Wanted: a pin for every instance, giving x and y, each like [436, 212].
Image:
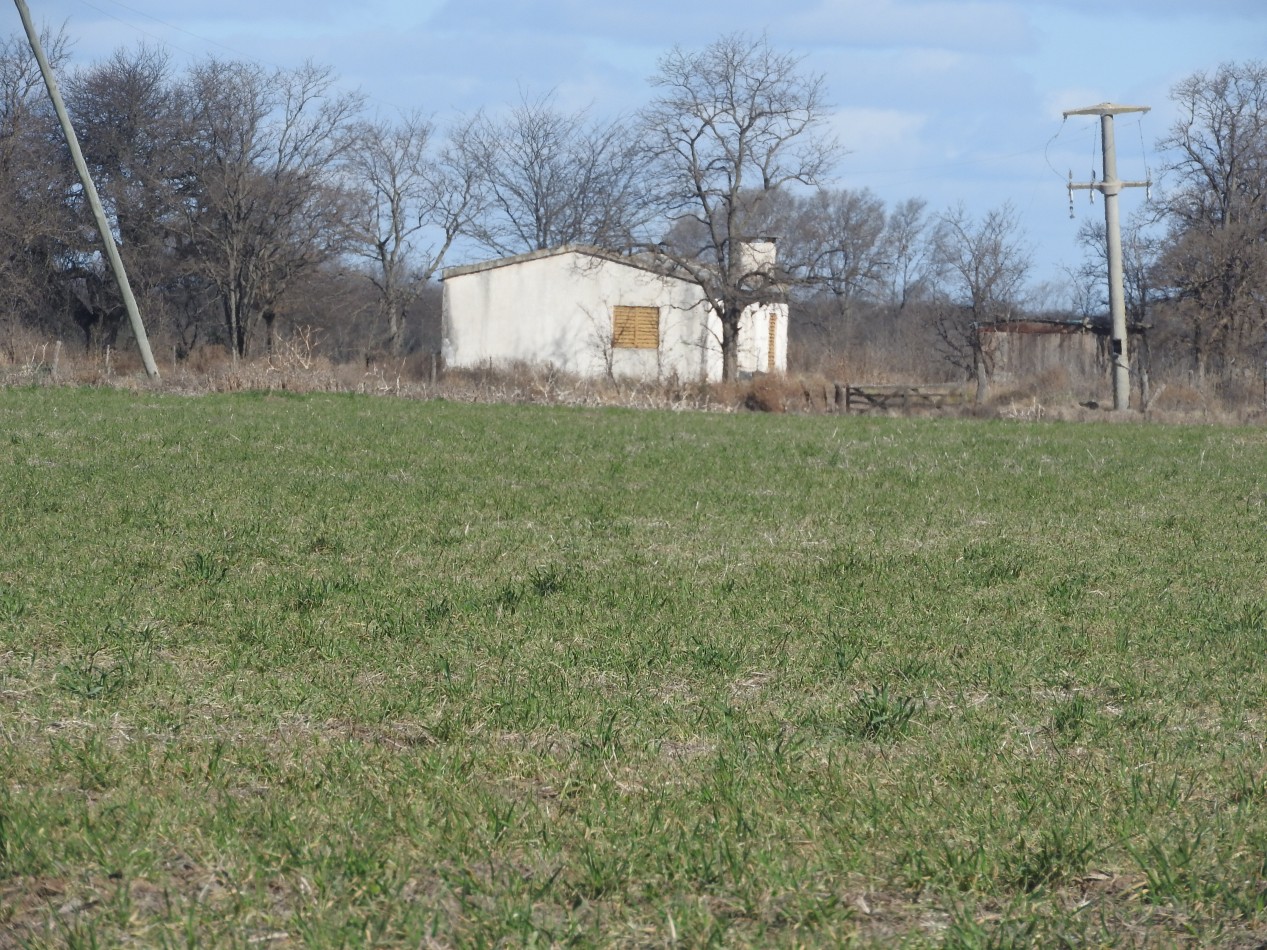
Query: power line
[164, 23]
[246, 57]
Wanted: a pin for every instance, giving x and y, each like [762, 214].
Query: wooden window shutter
[774, 339]
[636, 328]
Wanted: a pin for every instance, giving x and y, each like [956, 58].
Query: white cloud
[658, 23]
[975, 26]
[872, 136]
[1250, 9]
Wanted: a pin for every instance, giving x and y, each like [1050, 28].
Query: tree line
[248, 199]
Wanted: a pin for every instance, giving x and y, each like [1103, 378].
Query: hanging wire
[166, 41]
[1095, 137]
[171, 26]
[1047, 158]
[1148, 172]
[1050, 142]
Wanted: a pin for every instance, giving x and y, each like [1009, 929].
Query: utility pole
[90, 191]
[1109, 187]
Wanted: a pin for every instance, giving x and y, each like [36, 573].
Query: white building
[593, 312]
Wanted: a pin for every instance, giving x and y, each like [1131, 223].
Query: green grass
[333, 671]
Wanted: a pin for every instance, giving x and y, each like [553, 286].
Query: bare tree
[845, 256]
[405, 192]
[261, 196]
[36, 227]
[387, 165]
[1140, 250]
[1216, 254]
[909, 252]
[982, 267]
[556, 178]
[831, 251]
[735, 119]
[127, 112]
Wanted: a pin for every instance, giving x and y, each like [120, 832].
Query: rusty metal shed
[1020, 349]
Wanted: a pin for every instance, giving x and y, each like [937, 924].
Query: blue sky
[947, 100]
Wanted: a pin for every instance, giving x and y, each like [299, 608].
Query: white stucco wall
[754, 339]
[555, 307]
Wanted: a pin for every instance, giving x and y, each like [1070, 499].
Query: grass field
[343, 671]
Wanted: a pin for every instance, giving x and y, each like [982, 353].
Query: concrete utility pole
[1110, 187]
[90, 191]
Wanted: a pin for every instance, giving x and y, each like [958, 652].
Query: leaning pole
[90, 190]
[1110, 186]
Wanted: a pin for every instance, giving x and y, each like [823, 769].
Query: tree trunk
[730, 344]
[268, 316]
[233, 328]
[979, 370]
[1198, 356]
[1144, 359]
[395, 327]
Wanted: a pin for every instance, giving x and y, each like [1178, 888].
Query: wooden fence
[904, 397]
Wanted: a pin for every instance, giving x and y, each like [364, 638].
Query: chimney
[756, 254]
